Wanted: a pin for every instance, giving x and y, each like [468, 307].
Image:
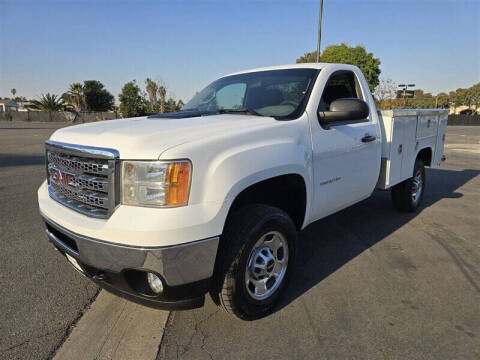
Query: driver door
[346, 166]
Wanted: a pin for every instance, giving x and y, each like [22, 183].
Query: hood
[147, 137]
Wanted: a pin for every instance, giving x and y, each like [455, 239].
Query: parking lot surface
[371, 283]
[40, 295]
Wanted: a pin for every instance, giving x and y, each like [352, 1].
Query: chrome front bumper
[185, 269]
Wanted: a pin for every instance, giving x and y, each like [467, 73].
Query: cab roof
[293, 66]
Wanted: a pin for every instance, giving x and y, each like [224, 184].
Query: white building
[8, 105]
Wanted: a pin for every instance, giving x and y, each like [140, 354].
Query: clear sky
[45, 45]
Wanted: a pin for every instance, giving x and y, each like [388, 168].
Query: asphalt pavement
[41, 296]
[371, 283]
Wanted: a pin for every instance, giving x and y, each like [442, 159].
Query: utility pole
[405, 93]
[320, 11]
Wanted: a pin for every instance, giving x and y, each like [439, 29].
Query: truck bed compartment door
[409, 152]
[394, 164]
[440, 141]
[398, 155]
[427, 126]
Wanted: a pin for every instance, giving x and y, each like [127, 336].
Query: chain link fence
[467, 120]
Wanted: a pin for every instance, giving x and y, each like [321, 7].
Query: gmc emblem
[62, 178]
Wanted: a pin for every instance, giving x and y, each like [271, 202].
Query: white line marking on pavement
[114, 328]
[464, 147]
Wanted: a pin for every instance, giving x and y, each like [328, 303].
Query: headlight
[156, 183]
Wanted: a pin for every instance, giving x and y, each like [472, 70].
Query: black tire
[403, 194]
[244, 229]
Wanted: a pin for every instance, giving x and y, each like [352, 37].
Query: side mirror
[346, 109]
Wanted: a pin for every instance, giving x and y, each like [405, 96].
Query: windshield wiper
[239, 111]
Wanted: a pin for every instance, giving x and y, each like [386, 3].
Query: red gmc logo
[62, 178]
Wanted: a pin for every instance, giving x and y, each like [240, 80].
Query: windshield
[282, 94]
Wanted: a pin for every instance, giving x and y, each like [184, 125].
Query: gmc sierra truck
[167, 208]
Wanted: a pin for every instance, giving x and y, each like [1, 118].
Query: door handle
[368, 138]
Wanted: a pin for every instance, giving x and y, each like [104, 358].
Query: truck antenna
[320, 11]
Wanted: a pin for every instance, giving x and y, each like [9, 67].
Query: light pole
[406, 93]
[320, 11]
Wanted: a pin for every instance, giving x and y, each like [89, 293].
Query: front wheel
[408, 195]
[256, 257]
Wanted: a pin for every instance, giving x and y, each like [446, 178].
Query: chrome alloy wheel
[417, 186]
[266, 265]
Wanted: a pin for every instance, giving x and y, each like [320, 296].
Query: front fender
[224, 166]
[240, 169]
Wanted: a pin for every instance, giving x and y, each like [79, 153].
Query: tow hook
[99, 277]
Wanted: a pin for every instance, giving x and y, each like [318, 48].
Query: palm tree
[151, 90]
[75, 96]
[49, 102]
[162, 94]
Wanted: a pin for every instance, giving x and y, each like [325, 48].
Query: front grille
[78, 165]
[95, 200]
[82, 178]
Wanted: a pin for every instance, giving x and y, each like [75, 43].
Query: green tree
[469, 97]
[97, 98]
[162, 95]
[452, 96]
[442, 100]
[131, 101]
[421, 100]
[157, 100]
[384, 91]
[461, 97]
[308, 57]
[475, 94]
[171, 105]
[48, 102]
[345, 54]
[151, 88]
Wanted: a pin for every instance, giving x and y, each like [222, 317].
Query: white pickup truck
[166, 208]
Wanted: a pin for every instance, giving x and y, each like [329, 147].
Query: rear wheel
[256, 258]
[408, 195]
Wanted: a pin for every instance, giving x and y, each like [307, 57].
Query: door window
[342, 84]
